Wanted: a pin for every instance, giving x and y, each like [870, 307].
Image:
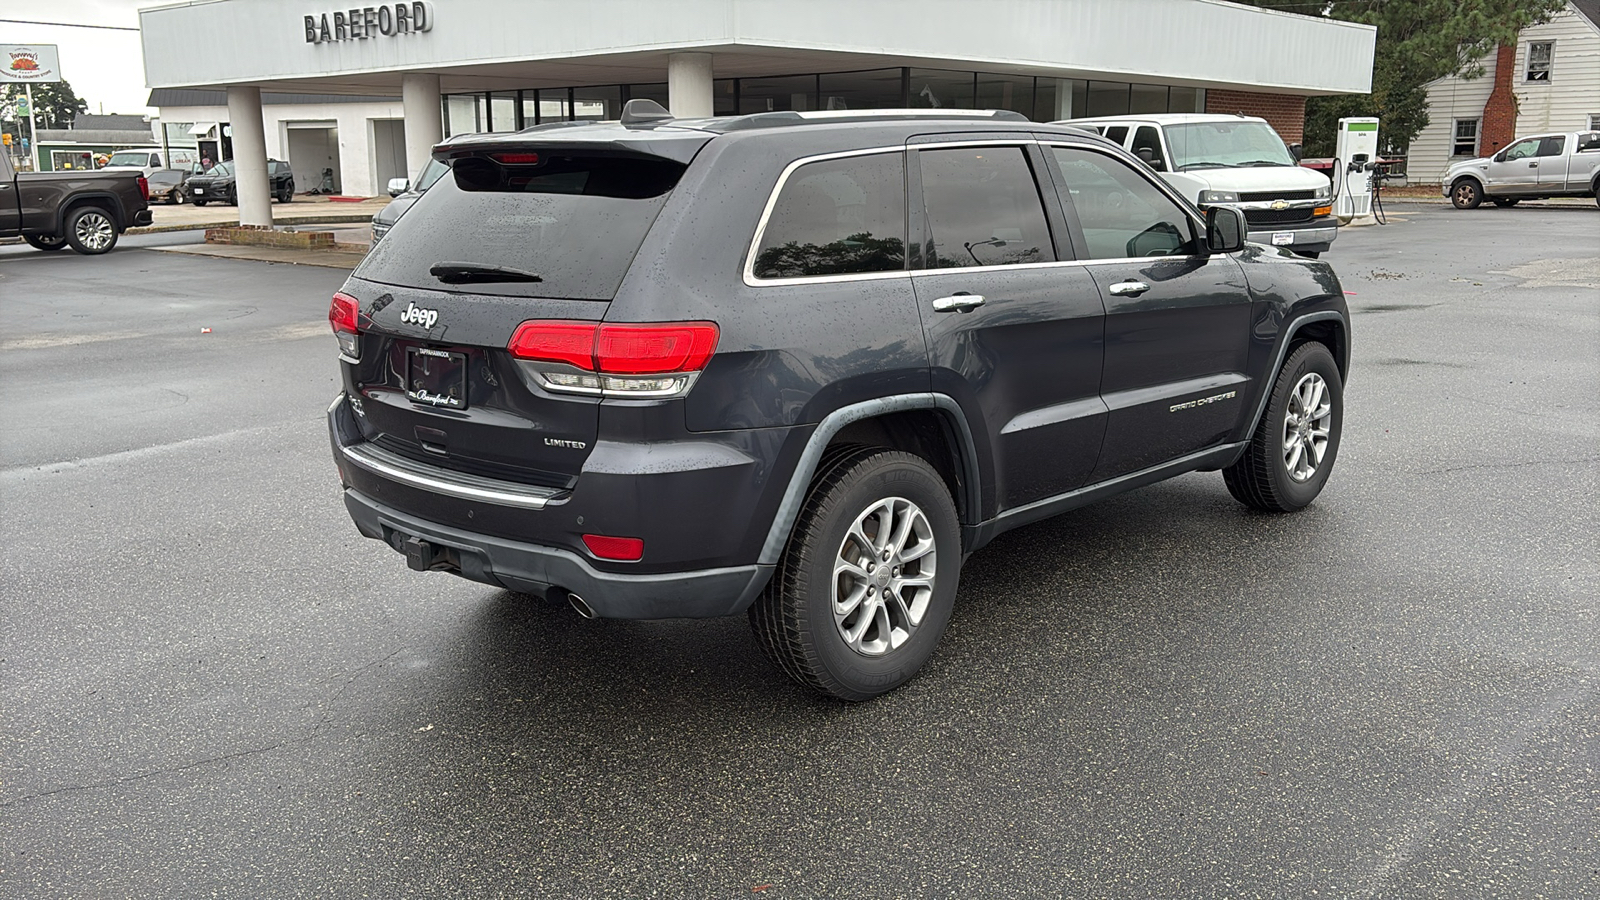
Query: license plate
[436, 377]
[1280, 238]
[199, 190]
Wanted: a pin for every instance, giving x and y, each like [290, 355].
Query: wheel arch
[1328, 327]
[111, 203]
[928, 425]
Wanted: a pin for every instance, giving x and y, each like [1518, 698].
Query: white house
[1549, 81]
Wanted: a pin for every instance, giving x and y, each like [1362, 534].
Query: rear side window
[573, 222]
[1122, 215]
[837, 217]
[982, 208]
[1552, 146]
[1118, 133]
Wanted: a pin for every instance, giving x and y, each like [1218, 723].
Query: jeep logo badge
[416, 315]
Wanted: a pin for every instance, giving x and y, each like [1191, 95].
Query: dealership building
[365, 92]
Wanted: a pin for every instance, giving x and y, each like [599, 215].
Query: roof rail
[782, 119]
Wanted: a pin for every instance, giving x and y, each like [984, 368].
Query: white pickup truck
[1533, 168]
[1237, 161]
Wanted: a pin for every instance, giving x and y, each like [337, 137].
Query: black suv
[220, 184]
[803, 364]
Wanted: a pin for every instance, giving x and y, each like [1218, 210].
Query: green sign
[1362, 126]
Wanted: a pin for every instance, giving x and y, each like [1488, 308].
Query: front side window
[982, 208]
[1466, 139]
[1522, 149]
[1122, 214]
[1540, 56]
[837, 217]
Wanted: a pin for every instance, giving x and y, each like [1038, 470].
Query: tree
[54, 103]
[1418, 41]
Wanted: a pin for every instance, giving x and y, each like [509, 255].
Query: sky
[106, 68]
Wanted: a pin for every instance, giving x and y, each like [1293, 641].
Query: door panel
[1552, 162]
[1177, 319]
[1023, 359]
[1518, 171]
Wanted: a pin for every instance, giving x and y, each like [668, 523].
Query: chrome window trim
[749, 272]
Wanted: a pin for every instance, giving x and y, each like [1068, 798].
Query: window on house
[1466, 142]
[1539, 56]
[1594, 121]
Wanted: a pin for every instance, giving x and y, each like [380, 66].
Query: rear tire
[1297, 440]
[200, 203]
[867, 583]
[287, 194]
[1505, 202]
[49, 243]
[1466, 194]
[91, 230]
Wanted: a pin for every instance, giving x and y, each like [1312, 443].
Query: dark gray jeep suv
[804, 364]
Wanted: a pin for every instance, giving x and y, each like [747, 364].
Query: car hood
[205, 180]
[1477, 162]
[1258, 178]
[396, 208]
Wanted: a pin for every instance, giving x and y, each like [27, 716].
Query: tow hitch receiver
[423, 556]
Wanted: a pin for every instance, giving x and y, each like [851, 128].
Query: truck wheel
[91, 230]
[1295, 443]
[868, 581]
[1504, 202]
[200, 203]
[46, 242]
[286, 194]
[1466, 194]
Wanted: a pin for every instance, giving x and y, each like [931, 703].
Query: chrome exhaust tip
[582, 607]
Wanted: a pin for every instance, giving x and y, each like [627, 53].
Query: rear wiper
[475, 273]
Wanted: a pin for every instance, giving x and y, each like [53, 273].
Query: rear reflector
[622, 549]
[658, 348]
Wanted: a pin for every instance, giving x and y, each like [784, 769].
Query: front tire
[867, 583]
[49, 243]
[200, 203]
[91, 230]
[1466, 194]
[1294, 446]
[1505, 202]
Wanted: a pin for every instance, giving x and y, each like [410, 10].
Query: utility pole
[33, 129]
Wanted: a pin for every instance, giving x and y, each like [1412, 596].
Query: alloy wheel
[95, 231]
[883, 576]
[1306, 425]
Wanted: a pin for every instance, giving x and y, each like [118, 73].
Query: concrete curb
[353, 218]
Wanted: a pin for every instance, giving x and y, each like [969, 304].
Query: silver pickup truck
[1533, 168]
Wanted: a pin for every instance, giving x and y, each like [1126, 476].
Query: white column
[424, 114]
[250, 155]
[689, 85]
[1064, 99]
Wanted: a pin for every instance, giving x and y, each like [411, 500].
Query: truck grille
[1278, 216]
[1257, 196]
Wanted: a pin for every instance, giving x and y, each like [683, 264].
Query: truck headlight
[1322, 193]
[1218, 197]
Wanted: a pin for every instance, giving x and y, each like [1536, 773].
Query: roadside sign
[29, 64]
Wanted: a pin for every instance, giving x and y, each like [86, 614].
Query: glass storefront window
[1106, 98]
[553, 105]
[1148, 98]
[1185, 99]
[724, 97]
[595, 104]
[941, 89]
[502, 112]
[759, 95]
[656, 92]
[461, 114]
[1013, 92]
[872, 89]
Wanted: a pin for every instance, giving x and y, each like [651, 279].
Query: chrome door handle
[1129, 288]
[1533, 165]
[958, 303]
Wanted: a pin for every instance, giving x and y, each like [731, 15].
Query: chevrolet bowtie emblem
[1280, 204]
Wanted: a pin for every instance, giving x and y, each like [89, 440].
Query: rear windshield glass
[571, 222]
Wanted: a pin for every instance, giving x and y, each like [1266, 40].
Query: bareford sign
[370, 22]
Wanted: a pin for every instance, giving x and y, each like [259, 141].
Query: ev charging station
[1357, 151]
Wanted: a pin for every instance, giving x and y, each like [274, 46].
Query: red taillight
[144, 188]
[663, 348]
[621, 549]
[556, 341]
[516, 159]
[343, 312]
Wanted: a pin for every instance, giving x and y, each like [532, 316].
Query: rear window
[573, 221]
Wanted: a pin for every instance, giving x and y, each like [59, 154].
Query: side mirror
[1225, 229]
[1501, 156]
[1298, 151]
[398, 186]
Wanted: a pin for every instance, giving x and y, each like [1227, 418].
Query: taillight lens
[144, 188]
[650, 359]
[344, 315]
[621, 549]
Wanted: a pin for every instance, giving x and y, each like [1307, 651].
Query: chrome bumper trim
[443, 481]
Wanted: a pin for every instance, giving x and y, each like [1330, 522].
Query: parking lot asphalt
[212, 686]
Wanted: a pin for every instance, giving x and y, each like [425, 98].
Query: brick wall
[1500, 113]
[1286, 113]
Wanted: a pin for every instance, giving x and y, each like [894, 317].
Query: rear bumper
[534, 569]
[142, 218]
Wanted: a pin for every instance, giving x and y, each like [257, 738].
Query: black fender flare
[76, 200]
[1270, 374]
